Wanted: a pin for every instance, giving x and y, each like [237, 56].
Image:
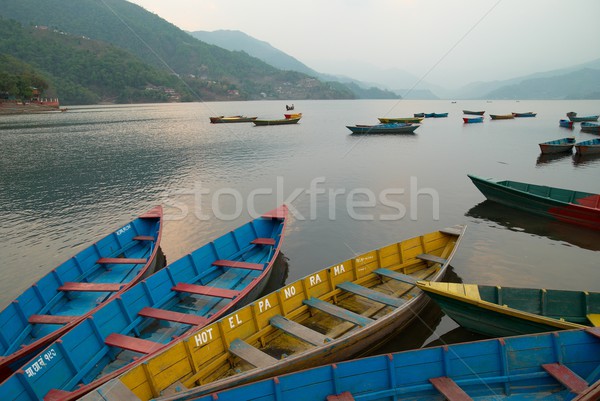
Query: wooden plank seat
[431, 258]
[299, 331]
[594, 319]
[371, 294]
[206, 290]
[405, 278]
[449, 389]
[171, 316]
[144, 238]
[132, 343]
[250, 354]
[51, 319]
[120, 261]
[263, 241]
[345, 396]
[566, 377]
[338, 312]
[238, 265]
[91, 287]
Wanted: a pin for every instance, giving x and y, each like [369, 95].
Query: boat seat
[345, 396]
[144, 238]
[594, 318]
[299, 331]
[238, 265]
[163, 314]
[51, 319]
[250, 354]
[205, 290]
[449, 389]
[132, 343]
[338, 312]
[432, 258]
[566, 377]
[405, 278]
[91, 287]
[121, 261]
[371, 294]
[263, 241]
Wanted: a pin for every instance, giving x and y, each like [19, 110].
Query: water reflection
[585, 160]
[545, 158]
[279, 274]
[517, 220]
[457, 335]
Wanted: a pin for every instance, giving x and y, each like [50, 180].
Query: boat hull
[232, 119]
[502, 116]
[557, 146]
[284, 121]
[389, 128]
[475, 113]
[387, 120]
[471, 120]
[565, 123]
[593, 128]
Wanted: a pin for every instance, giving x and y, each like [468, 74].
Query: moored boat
[440, 115]
[550, 366]
[421, 115]
[565, 123]
[591, 127]
[429, 115]
[294, 115]
[282, 121]
[588, 147]
[231, 119]
[558, 145]
[470, 120]
[502, 116]
[330, 315]
[497, 311]
[475, 113]
[189, 293]
[389, 128]
[526, 114]
[406, 120]
[573, 117]
[78, 287]
[574, 207]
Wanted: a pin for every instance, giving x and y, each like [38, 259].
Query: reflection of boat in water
[517, 220]
[457, 335]
[585, 160]
[545, 158]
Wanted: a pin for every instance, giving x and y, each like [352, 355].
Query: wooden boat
[231, 119]
[330, 315]
[505, 311]
[295, 115]
[558, 145]
[405, 120]
[573, 117]
[526, 114]
[475, 113]
[588, 147]
[429, 115]
[594, 128]
[565, 123]
[420, 115]
[574, 207]
[549, 366]
[77, 288]
[277, 122]
[389, 128]
[440, 115]
[192, 292]
[502, 116]
[470, 120]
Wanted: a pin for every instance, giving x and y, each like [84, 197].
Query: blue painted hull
[47, 309]
[389, 128]
[513, 368]
[191, 292]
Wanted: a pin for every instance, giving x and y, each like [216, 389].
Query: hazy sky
[449, 43]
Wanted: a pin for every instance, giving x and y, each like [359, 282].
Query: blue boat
[388, 128]
[588, 147]
[549, 366]
[591, 127]
[470, 120]
[439, 115]
[189, 293]
[429, 115]
[557, 145]
[76, 288]
[565, 123]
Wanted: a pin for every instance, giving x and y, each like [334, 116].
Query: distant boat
[502, 116]
[526, 114]
[475, 113]
[469, 120]
[419, 115]
[558, 145]
[389, 128]
[386, 120]
[231, 119]
[440, 115]
[594, 128]
[566, 123]
[573, 117]
[429, 115]
[277, 122]
[588, 147]
[295, 115]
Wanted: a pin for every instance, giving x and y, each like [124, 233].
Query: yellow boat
[342, 311]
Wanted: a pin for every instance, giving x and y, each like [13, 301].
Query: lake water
[68, 179]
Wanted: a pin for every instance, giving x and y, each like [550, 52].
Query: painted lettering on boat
[40, 363]
[314, 280]
[124, 229]
[289, 292]
[263, 306]
[339, 269]
[203, 337]
[235, 323]
[364, 259]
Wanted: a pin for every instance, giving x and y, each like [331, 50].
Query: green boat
[574, 207]
[504, 311]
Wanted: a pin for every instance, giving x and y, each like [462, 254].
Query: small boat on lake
[565, 123]
[573, 117]
[558, 145]
[421, 115]
[526, 114]
[574, 207]
[429, 115]
[546, 366]
[497, 311]
[189, 293]
[231, 119]
[406, 120]
[389, 128]
[470, 120]
[502, 116]
[440, 115]
[330, 315]
[282, 121]
[294, 115]
[475, 113]
[590, 127]
[78, 287]
[588, 147]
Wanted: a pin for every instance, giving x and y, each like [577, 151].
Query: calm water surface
[68, 179]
